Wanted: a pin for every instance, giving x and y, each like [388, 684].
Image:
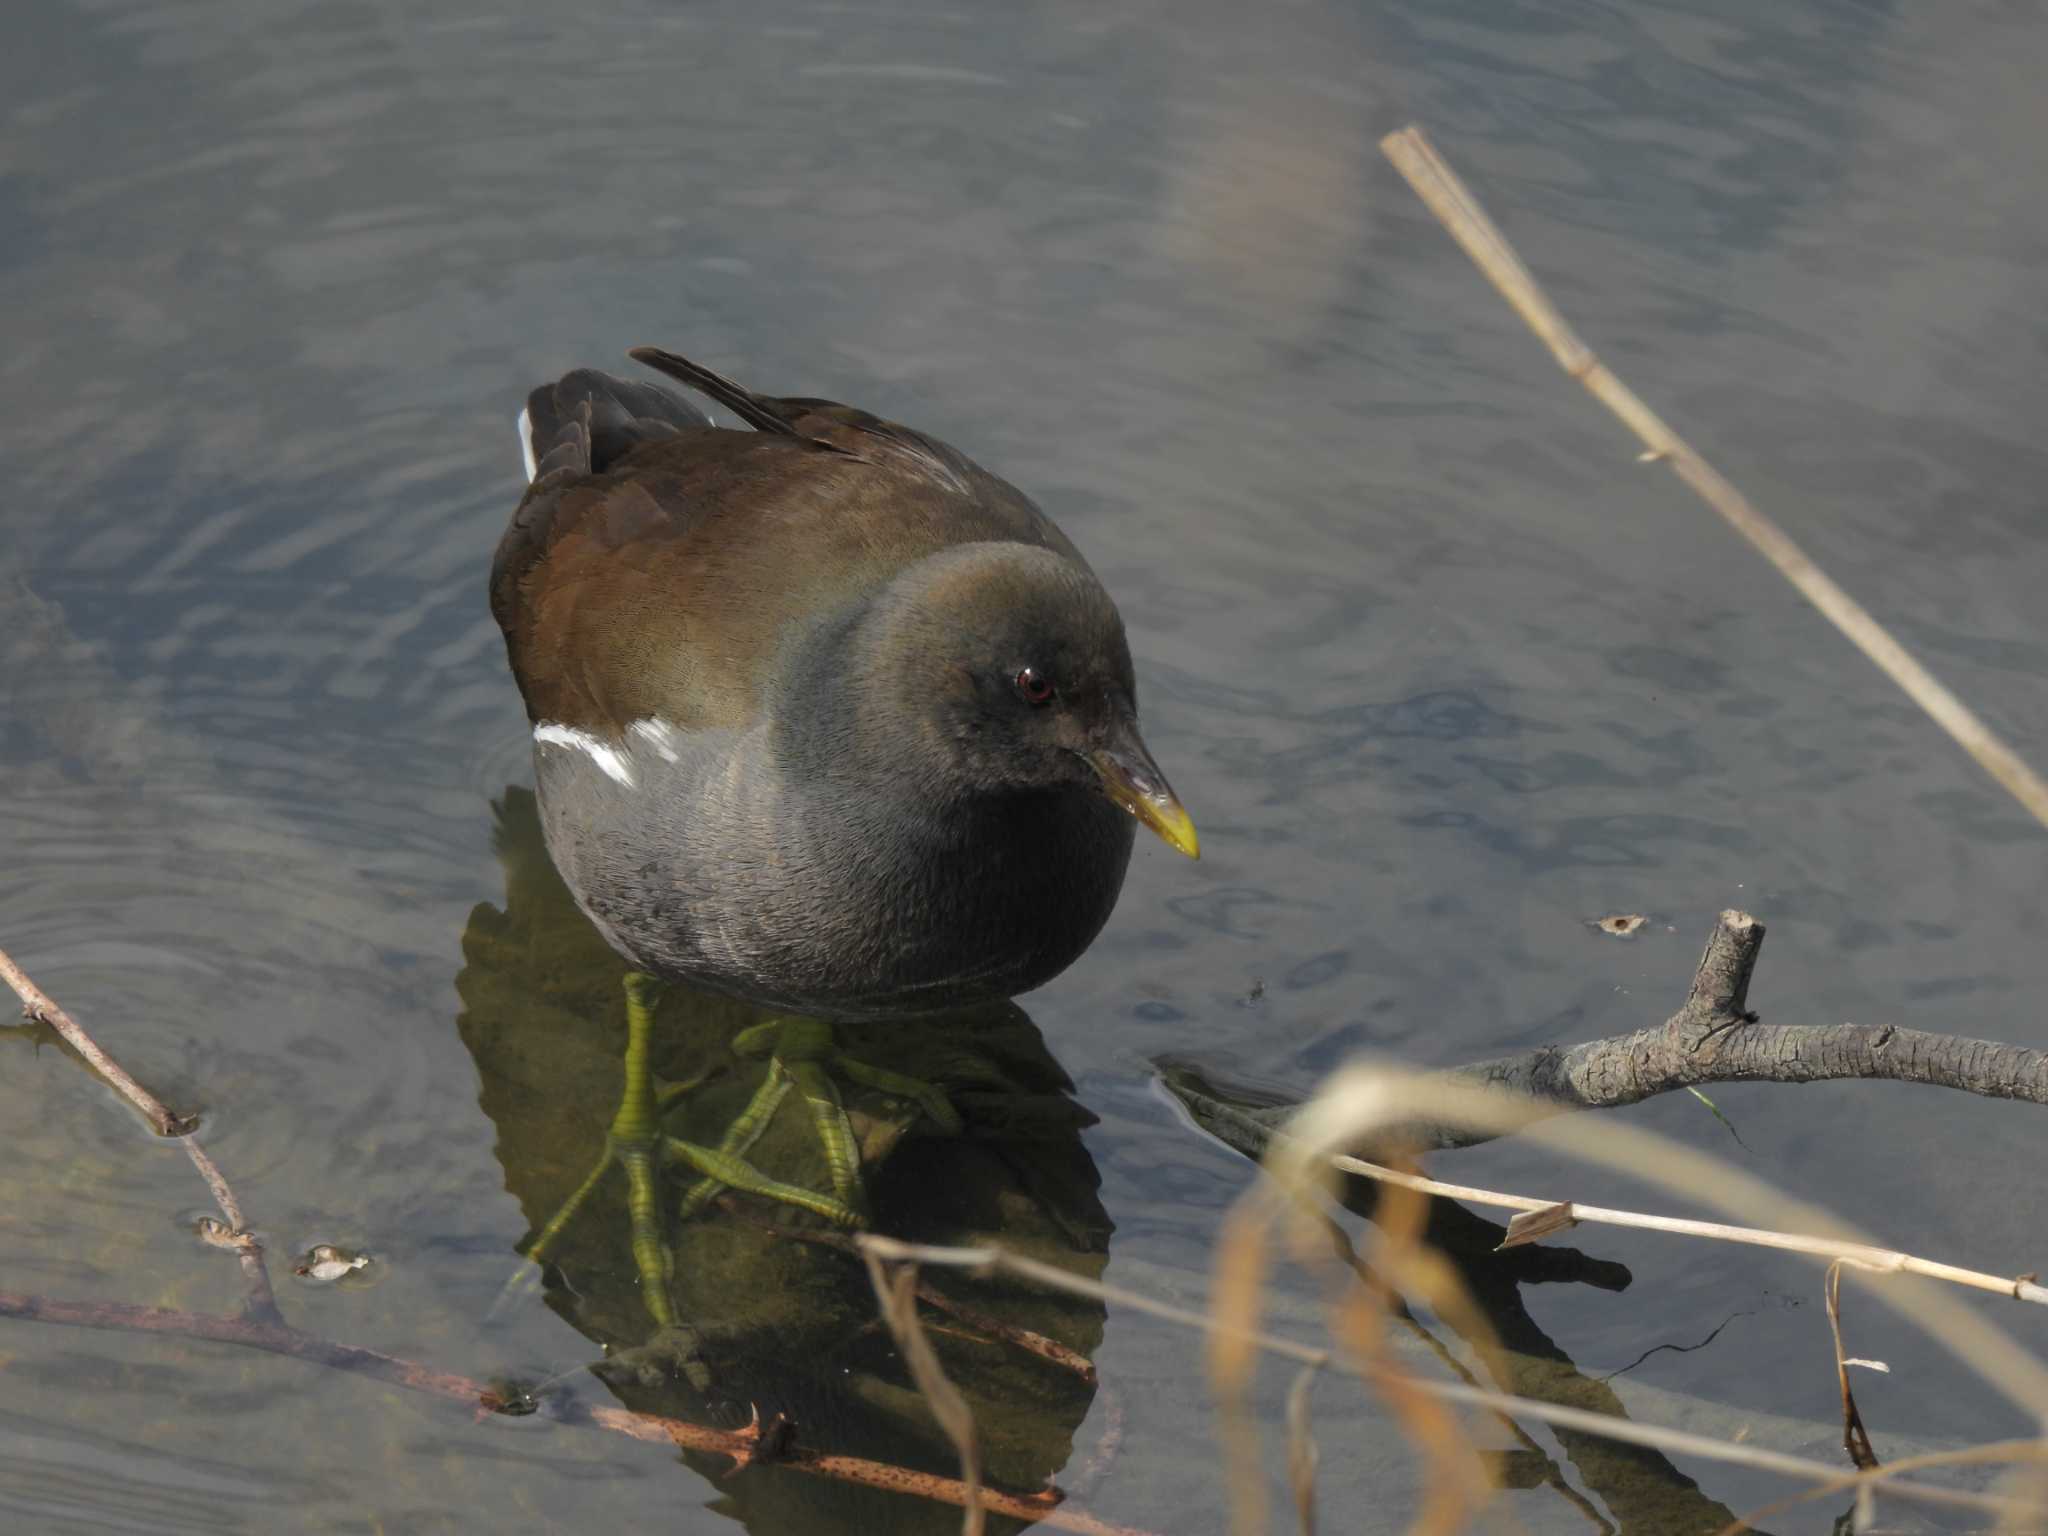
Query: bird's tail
[585, 421]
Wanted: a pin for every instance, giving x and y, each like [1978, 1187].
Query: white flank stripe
[658, 734]
[605, 755]
[526, 445]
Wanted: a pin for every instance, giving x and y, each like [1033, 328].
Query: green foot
[802, 1055]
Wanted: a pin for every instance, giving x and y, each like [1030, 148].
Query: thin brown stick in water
[896, 1294]
[259, 1301]
[1460, 212]
[39, 1005]
[741, 1445]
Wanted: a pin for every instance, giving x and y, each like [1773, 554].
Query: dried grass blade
[1302, 1454]
[1855, 1438]
[897, 1295]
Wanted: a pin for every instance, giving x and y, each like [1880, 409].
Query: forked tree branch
[1712, 1038]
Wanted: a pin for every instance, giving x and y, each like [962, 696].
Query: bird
[825, 717]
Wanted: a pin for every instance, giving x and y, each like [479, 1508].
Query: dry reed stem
[1302, 1454]
[896, 1294]
[259, 1300]
[2034, 1452]
[1460, 212]
[1243, 1244]
[1342, 1246]
[1363, 1101]
[1862, 1256]
[2028, 1484]
[1855, 1438]
[1676, 1442]
[1455, 1482]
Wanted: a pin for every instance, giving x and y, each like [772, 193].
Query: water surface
[1440, 671]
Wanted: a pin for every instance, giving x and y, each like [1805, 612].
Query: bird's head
[1010, 661]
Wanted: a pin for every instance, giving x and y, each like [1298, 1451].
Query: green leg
[835, 1132]
[632, 1143]
[801, 1048]
[733, 1147]
[721, 1170]
[634, 1137]
[726, 1166]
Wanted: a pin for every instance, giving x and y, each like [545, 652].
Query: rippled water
[1440, 671]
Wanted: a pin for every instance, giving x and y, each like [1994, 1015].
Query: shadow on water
[776, 1324]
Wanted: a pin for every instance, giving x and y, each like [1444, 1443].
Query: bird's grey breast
[702, 858]
[641, 827]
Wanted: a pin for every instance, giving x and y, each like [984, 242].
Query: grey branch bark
[1712, 1038]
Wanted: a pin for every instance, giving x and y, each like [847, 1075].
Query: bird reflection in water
[773, 1313]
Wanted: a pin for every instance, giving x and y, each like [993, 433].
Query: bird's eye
[1035, 686]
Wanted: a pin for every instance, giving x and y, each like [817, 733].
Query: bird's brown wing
[670, 584]
[861, 435]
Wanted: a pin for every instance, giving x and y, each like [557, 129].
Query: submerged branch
[259, 1301]
[744, 1446]
[38, 1005]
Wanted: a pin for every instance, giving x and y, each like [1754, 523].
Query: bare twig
[1712, 1038]
[1453, 203]
[259, 1301]
[741, 1445]
[896, 1294]
[38, 1005]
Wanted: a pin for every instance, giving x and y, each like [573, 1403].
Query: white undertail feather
[526, 445]
[607, 757]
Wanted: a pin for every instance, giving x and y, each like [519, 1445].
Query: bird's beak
[1131, 779]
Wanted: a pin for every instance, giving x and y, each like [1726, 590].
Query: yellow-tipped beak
[1132, 780]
